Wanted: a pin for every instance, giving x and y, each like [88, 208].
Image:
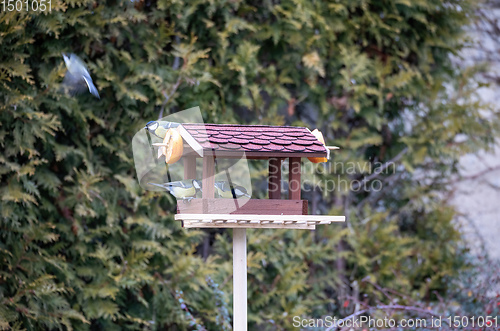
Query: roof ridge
[252, 125]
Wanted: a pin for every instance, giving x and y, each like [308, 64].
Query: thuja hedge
[83, 246]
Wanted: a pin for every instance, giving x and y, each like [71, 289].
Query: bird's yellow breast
[161, 131]
[181, 192]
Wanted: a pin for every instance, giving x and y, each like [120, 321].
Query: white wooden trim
[190, 141]
[305, 222]
[250, 217]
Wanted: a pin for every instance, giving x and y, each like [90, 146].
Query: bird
[224, 190]
[160, 128]
[77, 77]
[183, 189]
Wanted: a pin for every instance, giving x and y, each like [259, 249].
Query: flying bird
[77, 77]
[224, 190]
[160, 128]
[183, 189]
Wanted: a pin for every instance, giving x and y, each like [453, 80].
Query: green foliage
[83, 246]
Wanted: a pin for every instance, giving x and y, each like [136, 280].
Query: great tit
[183, 189]
[77, 77]
[160, 128]
[224, 190]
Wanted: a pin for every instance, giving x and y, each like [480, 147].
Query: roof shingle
[256, 139]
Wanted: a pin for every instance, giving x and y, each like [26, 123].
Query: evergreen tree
[83, 246]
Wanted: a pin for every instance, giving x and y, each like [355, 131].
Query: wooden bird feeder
[272, 143]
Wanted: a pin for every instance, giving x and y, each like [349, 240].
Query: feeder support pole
[239, 280]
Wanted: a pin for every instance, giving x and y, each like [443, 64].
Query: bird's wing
[198, 183]
[180, 183]
[70, 79]
[73, 84]
[77, 64]
[165, 124]
[218, 186]
[227, 187]
[240, 190]
[90, 84]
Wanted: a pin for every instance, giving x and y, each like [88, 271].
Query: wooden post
[294, 184]
[208, 179]
[239, 280]
[274, 180]
[189, 167]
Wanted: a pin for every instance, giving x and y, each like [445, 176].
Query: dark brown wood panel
[251, 207]
[274, 179]
[294, 184]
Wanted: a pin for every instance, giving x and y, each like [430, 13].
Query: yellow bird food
[318, 135]
[172, 147]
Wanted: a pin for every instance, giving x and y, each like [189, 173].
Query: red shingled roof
[256, 140]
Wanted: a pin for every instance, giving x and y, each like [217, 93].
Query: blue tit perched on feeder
[224, 190]
[77, 77]
[183, 189]
[160, 128]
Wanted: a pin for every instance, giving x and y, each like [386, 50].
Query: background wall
[476, 192]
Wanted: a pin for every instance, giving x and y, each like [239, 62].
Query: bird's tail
[160, 185]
